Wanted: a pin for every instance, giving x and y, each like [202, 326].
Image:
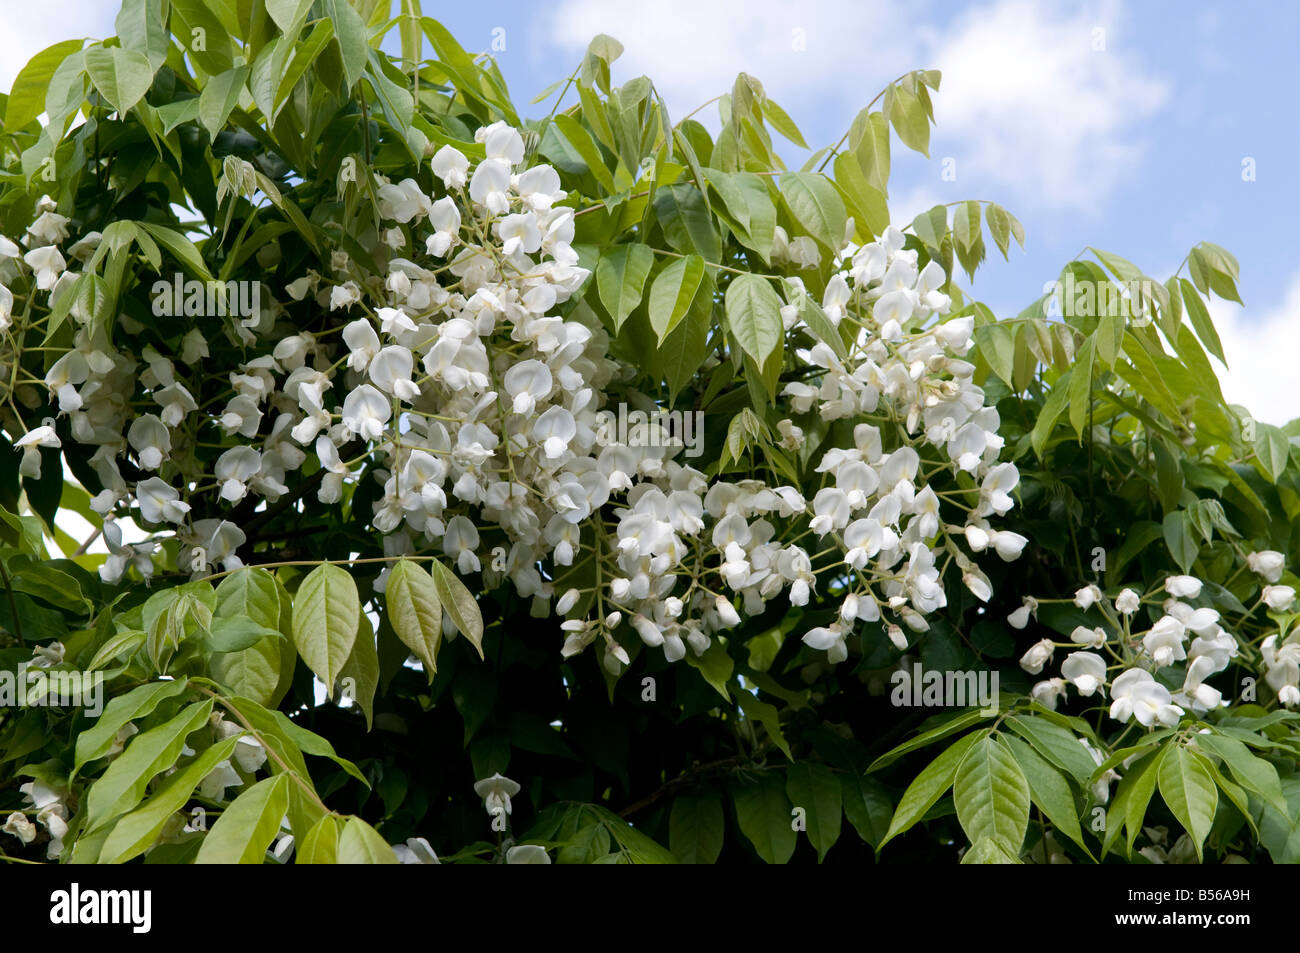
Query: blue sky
[1123, 125]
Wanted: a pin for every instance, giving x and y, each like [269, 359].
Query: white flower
[519, 233]
[48, 265]
[1164, 642]
[366, 411]
[403, 201]
[1267, 563]
[496, 793]
[1137, 695]
[501, 141]
[459, 542]
[829, 639]
[391, 370]
[527, 382]
[1183, 587]
[213, 787]
[1127, 602]
[1020, 618]
[344, 295]
[1048, 692]
[1279, 598]
[151, 440]
[30, 444]
[1086, 671]
[18, 825]
[489, 184]
[527, 854]
[1087, 596]
[445, 219]
[234, 469]
[416, 850]
[1039, 654]
[450, 165]
[160, 502]
[1092, 638]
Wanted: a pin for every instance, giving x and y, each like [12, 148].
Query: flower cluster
[460, 380]
[1120, 659]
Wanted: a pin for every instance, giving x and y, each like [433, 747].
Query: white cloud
[1263, 352]
[1030, 110]
[693, 49]
[31, 27]
[1029, 103]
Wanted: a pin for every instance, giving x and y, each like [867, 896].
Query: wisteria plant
[591, 488]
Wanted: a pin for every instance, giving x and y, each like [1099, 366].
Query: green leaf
[1188, 788]
[1049, 789]
[865, 201]
[867, 807]
[135, 832]
[1253, 772]
[716, 665]
[997, 345]
[1273, 450]
[696, 827]
[932, 226]
[415, 612]
[321, 845]
[620, 279]
[360, 675]
[123, 782]
[1056, 743]
[325, 611]
[219, 97]
[1052, 407]
[991, 794]
[1202, 323]
[1081, 385]
[141, 25]
[1129, 806]
[762, 213]
[754, 316]
[121, 76]
[684, 348]
[248, 824]
[672, 293]
[236, 633]
[586, 147]
[1181, 539]
[769, 716]
[764, 816]
[182, 249]
[816, 206]
[779, 120]
[870, 140]
[909, 119]
[27, 96]
[288, 14]
[361, 844]
[350, 31]
[138, 703]
[460, 604]
[304, 55]
[684, 216]
[948, 725]
[815, 788]
[930, 785]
